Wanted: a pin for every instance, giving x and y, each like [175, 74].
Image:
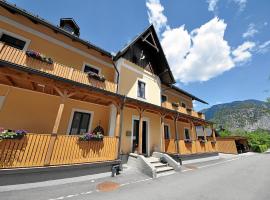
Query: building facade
[54, 82]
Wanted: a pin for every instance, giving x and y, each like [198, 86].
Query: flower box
[176, 105]
[12, 134]
[96, 76]
[39, 56]
[203, 141]
[187, 140]
[91, 137]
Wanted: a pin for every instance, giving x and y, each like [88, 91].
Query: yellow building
[54, 83]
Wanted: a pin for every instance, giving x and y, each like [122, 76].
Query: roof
[151, 29]
[188, 94]
[36, 19]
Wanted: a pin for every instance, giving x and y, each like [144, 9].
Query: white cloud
[155, 14]
[241, 4]
[199, 55]
[264, 47]
[251, 31]
[212, 5]
[242, 52]
[202, 53]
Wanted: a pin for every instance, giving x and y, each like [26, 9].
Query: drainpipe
[117, 80]
[121, 126]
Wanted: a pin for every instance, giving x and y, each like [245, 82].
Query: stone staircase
[162, 169]
[153, 166]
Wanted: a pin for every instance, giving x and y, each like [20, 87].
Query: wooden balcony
[18, 57]
[180, 109]
[31, 151]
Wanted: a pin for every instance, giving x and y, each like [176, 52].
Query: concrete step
[153, 160]
[159, 164]
[164, 169]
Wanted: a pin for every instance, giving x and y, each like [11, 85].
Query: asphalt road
[246, 178]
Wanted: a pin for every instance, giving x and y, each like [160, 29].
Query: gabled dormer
[146, 51]
[69, 25]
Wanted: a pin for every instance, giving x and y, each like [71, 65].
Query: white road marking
[209, 165]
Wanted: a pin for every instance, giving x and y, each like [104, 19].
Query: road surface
[246, 178]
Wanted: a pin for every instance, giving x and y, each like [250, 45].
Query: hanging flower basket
[39, 56]
[96, 76]
[12, 134]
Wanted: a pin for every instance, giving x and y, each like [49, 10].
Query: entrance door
[135, 139]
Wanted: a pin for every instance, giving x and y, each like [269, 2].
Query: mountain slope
[246, 115]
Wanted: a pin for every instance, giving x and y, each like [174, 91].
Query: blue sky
[218, 50]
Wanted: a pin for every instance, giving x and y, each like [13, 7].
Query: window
[166, 132]
[186, 132]
[163, 98]
[88, 68]
[200, 132]
[12, 41]
[2, 99]
[68, 28]
[141, 89]
[183, 105]
[80, 123]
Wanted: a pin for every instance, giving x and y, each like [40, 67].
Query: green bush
[259, 148]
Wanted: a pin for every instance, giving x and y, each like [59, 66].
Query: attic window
[141, 89]
[68, 28]
[149, 39]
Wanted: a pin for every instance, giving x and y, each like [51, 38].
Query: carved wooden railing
[16, 56]
[31, 151]
[180, 109]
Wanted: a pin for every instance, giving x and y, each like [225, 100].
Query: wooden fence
[226, 145]
[31, 151]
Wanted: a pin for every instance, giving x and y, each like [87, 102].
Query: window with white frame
[13, 41]
[2, 99]
[141, 89]
[183, 105]
[163, 98]
[186, 134]
[80, 123]
[166, 132]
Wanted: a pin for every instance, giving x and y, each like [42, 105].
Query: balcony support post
[162, 132]
[176, 133]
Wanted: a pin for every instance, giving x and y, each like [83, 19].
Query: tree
[268, 100]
